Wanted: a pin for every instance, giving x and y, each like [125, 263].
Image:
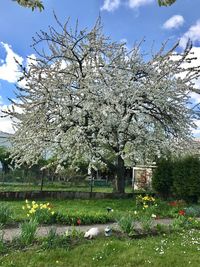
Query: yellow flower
[33, 202]
[146, 206]
[52, 212]
[32, 211]
[35, 206]
[26, 201]
[28, 215]
[23, 207]
[28, 206]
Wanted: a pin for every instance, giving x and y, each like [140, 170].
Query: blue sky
[130, 20]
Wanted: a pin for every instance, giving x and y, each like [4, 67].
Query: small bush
[28, 232]
[53, 240]
[146, 223]
[127, 224]
[5, 214]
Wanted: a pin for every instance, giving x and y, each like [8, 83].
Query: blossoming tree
[86, 95]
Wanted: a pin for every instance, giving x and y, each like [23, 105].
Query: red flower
[181, 212]
[78, 221]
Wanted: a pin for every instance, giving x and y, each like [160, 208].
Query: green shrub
[5, 214]
[162, 179]
[179, 177]
[186, 178]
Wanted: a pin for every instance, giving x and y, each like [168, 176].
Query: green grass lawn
[16, 187]
[174, 250]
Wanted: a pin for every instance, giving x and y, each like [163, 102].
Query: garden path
[10, 233]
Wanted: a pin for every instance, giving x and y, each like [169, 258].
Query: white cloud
[193, 34]
[138, 3]
[9, 69]
[174, 22]
[110, 5]
[196, 132]
[5, 122]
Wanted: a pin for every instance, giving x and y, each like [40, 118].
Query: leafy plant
[42, 212]
[146, 223]
[74, 233]
[2, 243]
[145, 201]
[5, 214]
[127, 224]
[179, 223]
[28, 232]
[53, 240]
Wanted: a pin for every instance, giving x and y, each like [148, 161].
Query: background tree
[5, 159]
[33, 4]
[166, 2]
[86, 95]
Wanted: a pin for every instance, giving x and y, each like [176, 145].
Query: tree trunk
[120, 176]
